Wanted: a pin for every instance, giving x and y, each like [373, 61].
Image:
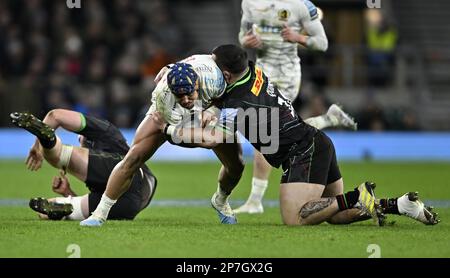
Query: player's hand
[251, 40]
[290, 35]
[160, 74]
[61, 184]
[159, 121]
[35, 157]
[208, 118]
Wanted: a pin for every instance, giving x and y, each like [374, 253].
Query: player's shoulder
[161, 91]
[201, 59]
[308, 9]
[205, 66]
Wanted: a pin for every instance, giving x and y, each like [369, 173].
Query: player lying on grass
[311, 189]
[102, 147]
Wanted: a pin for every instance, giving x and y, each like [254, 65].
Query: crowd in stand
[102, 60]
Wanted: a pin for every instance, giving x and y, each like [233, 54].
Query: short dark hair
[231, 58]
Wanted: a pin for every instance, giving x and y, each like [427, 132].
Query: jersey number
[287, 103]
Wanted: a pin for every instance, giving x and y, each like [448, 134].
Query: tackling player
[311, 189]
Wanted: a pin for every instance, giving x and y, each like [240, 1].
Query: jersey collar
[242, 80]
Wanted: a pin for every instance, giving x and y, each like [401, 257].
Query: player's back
[212, 84]
[274, 115]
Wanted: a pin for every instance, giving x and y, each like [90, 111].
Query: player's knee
[52, 114]
[291, 221]
[289, 217]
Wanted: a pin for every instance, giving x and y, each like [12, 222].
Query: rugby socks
[389, 205]
[347, 200]
[222, 196]
[259, 187]
[103, 208]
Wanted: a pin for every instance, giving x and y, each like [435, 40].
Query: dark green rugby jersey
[255, 108]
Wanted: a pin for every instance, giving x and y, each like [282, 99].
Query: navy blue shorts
[318, 164]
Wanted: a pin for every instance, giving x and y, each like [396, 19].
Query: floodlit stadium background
[388, 67]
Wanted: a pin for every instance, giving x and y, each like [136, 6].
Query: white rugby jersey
[266, 19]
[211, 85]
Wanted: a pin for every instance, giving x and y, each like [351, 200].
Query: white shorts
[286, 78]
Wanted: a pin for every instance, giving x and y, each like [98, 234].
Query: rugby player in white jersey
[276, 29]
[197, 81]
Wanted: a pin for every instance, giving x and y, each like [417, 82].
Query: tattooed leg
[345, 216]
[318, 211]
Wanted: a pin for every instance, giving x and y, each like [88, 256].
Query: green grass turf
[195, 231]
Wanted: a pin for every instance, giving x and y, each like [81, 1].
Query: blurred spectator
[371, 117]
[409, 121]
[100, 59]
[404, 119]
[381, 41]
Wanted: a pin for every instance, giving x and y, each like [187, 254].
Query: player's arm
[246, 36]
[61, 185]
[314, 37]
[208, 137]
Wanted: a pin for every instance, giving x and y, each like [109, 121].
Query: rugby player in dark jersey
[102, 147]
[311, 189]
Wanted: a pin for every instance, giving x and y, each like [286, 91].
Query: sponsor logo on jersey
[259, 81]
[312, 9]
[204, 68]
[268, 29]
[283, 15]
[271, 89]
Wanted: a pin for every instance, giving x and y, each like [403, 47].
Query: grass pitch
[194, 231]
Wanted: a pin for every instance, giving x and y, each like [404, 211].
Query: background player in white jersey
[276, 29]
[197, 78]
